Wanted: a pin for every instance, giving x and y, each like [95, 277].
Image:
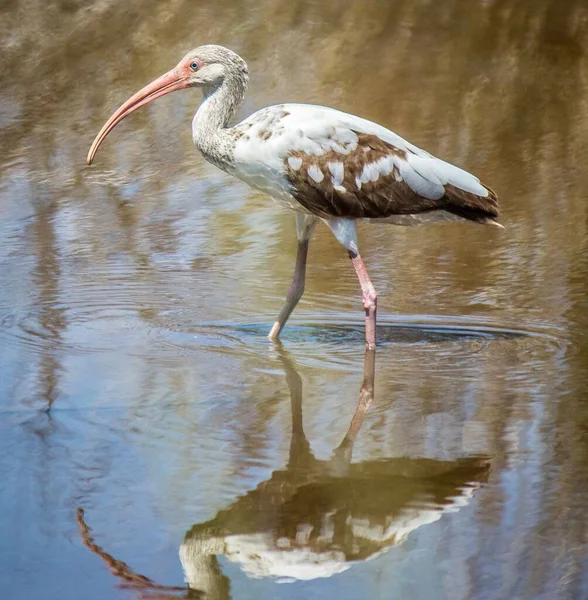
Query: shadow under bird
[324, 164]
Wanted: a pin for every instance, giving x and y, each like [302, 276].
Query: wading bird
[322, 163]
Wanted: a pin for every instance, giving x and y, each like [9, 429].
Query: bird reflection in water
[314, 518]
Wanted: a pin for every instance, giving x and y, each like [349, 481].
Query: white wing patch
[369, 173]
[441, 173]
[295, 162]
[315, 173]
[337, 171]
[423, 186]
[385, 165]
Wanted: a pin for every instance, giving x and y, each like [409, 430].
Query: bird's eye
[195, 65]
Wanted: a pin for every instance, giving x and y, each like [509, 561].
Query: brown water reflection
[136, 294]
[314, 518]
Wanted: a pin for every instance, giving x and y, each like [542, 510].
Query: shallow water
[154, 444]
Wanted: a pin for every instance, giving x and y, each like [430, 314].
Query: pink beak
[176, 79]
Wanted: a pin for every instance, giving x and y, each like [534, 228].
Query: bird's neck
[209, 127]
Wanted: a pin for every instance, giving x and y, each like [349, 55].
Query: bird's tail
[470, 206]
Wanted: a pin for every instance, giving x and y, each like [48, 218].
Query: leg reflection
[301, 455]
[366, 397]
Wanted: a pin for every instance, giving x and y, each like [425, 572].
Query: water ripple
[334, 342]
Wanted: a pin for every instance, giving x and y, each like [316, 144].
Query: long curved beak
[170, 82]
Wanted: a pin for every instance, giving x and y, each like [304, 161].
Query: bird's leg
[370, 299]
[342, 453]
[295, 290]
[300, 456]
[304, 227]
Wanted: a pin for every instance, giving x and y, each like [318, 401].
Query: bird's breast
[266, 180]
[258, 163]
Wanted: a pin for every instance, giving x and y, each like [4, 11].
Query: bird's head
[206, 67]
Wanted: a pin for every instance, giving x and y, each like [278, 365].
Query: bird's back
[333, 164]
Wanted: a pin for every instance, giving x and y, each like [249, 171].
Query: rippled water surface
[153, 444]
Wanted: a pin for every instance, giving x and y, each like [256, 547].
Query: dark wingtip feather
[480, 209]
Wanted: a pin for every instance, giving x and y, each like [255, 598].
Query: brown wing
[377, 180]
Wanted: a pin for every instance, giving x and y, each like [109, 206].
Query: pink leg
[366, 397]
[295, 290]
[370, 299]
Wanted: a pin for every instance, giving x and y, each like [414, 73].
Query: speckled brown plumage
[387, 196]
